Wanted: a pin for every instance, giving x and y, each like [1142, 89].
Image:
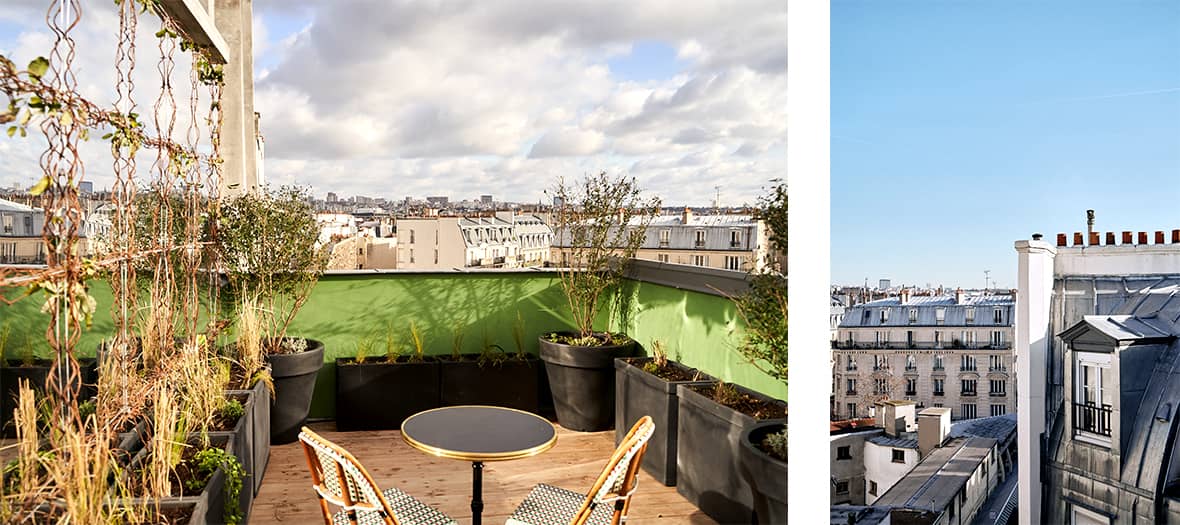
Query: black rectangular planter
[258, 414]
[512, 383]
[379, 395]
[11, 372]
[638, 394]
[708, 470]
[211, 503]
[242, 436]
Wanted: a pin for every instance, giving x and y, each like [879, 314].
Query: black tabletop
[479, 433]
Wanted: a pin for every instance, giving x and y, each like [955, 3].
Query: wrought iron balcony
[1088, 417]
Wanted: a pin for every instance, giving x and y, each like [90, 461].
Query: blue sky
[462, 99]
[961, 127]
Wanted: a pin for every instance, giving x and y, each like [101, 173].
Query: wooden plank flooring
[573, 463]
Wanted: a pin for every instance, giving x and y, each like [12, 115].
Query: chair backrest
[338, 478]
[618, 480]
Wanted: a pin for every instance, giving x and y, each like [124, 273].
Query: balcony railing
[699, 244]
[968, 393]
[1091, 418]
[918, 345]
[735, 244]
[939, 393]
[997, 394]
[22, 259]
[911, 392]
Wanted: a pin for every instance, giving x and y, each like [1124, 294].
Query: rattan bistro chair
[549, 505]
[339, 479]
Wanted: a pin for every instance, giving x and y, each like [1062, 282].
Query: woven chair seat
[407, 509]
[549, 505]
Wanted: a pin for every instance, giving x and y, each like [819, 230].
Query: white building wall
[879, 467]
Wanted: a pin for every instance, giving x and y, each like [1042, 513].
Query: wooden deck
[573, 463]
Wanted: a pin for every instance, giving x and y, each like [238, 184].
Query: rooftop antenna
[717, 200]
[986, 278]
[1089, 224]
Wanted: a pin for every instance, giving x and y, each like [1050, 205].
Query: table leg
[477, 492]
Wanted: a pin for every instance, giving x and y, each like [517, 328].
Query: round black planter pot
[582, 380]
[767, 476]
[294, 377]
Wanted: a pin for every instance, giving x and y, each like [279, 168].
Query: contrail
[1121, 95]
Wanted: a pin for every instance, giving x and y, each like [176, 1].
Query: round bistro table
[478, 434]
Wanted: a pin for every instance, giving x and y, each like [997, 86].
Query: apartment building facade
[725, 242]
[952, 351]
[20, 234]
[503, 241]
[1100, 373]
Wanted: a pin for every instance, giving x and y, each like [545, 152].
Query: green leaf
[40, 187]
[161, 33]
[38, 67]
[11, 131]
[66, 119]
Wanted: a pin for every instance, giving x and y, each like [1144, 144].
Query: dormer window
[970, 310]
[884, 315]
[1093, 399]
[939, 315]
[913, 315]
[998, 315]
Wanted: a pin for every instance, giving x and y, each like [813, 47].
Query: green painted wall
[700, 330]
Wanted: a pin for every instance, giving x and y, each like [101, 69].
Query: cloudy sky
[459, 98]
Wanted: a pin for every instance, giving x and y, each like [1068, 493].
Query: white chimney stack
[905, 296]
[958, 296]
[934, 424]
[686, 216]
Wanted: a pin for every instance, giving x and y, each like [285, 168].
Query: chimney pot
[1110, 238]
[1077, 238]
[1061, 239]
[1142, 238]
[933, 426]
[1037, 236]
[1093, 238]
[1159, 237]
[1127, 236]
[958, 295]
[1175, 236]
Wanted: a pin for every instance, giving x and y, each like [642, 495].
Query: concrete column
[1034, 294]
[238, 143]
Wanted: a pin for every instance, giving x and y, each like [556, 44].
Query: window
[909, 338]
[970, 312]
[1092, 400]
[938, 386]
[913, 315]
[844, 452]
[851, 408]
[411, 236]
[998, 315]
[733, 262]
[881, 386]
[937, 405]
[999, 387]
[969, 338]
[995, 363]
[967, 363]
[997, 338]
[898, 455]
[851, 384]
[1083, 516]
[967, 411]
[841, 487]
[700, 239]
[911, 387]
[851, 361]
[938, 362]
[665, 235]
[884, 315]
[735, 238]
[882, 338]
[663, 257]
[436, 256]
[880, 362]
[872, 488]
[999, 410]
[28, 225]
[698, 260]
[939, 315]
[411, 255]
[910, 362]
[968, 387]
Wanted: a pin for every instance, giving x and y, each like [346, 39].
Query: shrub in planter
[268, 243]
[647, 387]
[709, 430]
[763, 460]
[601, 223]
[36, 373]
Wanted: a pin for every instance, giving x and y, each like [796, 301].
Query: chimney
[896, 416]
[905, 296]
[934, 424]
[686, 216]
[958, 296]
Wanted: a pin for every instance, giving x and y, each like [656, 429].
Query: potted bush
[269, 247]
[734, 486]
[491, 377]
[601, 223]
[403, 383]
[646, 386]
